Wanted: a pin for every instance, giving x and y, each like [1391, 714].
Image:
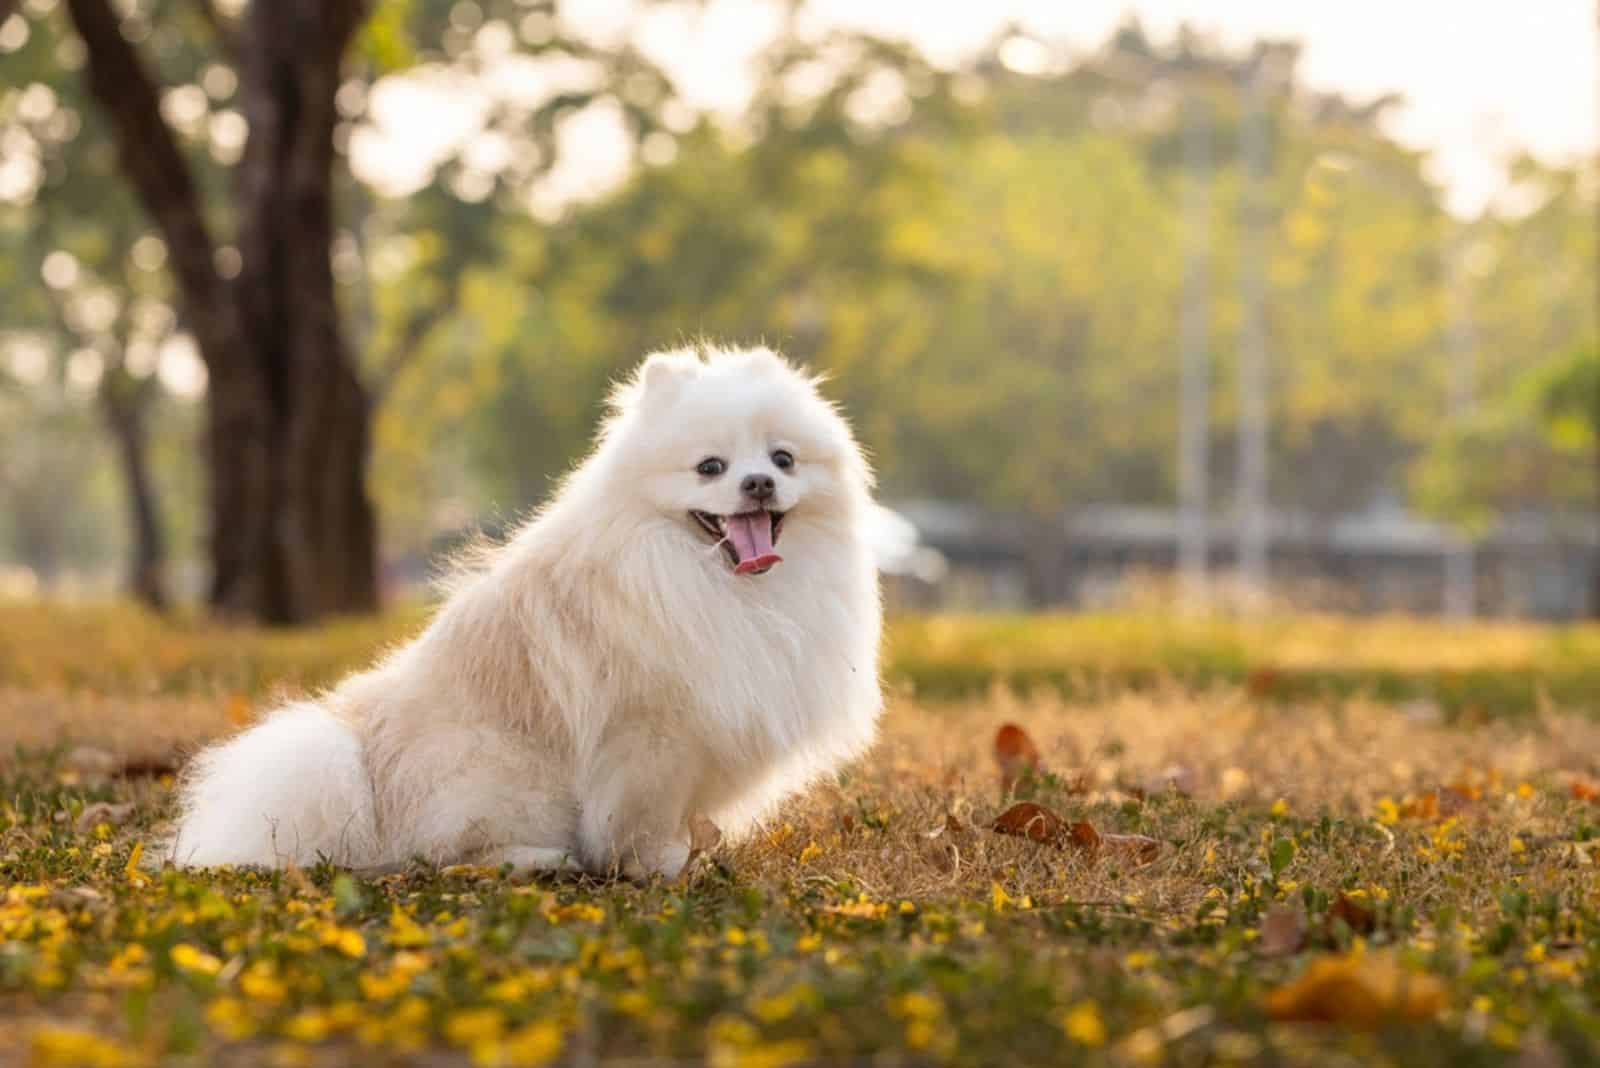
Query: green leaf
[1279, 856]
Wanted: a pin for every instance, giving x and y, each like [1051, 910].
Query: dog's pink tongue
[751, 534]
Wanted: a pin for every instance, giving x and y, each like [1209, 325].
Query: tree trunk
[124, 405]
[292, 532]
[320, 553]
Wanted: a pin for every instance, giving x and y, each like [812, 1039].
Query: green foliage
[988, 265]
[1536, 446]
[992, 283]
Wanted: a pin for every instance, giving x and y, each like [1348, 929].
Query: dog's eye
[712, 466]
[783, 459]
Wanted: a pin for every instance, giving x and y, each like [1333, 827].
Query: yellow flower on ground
[230, 1018]
[405, 931]
[778, 1054]
[189, 959]
[260, 982]
[1083, 1024]
[346, 940]
[311, 1025]
[131, 869]
[786, 1003]
[471, 1026]
[65, 1046]
[533, 1045]
[578, 910]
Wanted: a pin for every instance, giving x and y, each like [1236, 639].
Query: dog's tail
[293, 788]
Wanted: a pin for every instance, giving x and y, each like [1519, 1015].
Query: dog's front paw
[664, 859]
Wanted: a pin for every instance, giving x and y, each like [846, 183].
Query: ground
[1362, 843]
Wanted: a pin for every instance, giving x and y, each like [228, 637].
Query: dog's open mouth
[748, 538]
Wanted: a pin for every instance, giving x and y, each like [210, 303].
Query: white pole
[1194, 409]
[1460, 570]
[1252, 473]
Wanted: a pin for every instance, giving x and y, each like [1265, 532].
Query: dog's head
[739, 447]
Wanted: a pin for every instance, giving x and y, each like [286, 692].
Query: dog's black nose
[758, 486]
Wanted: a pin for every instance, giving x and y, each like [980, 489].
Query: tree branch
[152, 162]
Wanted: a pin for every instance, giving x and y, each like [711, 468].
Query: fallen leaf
[1283, 931]
[1016, 754]
[1025, 819]
[1084, 836]
[1262, 682]
[1422, 807]
[1356, 916]
[1028, 820]
[1362, 991]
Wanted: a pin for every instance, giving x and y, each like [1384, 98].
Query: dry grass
[1478, 670]
[1316, 848]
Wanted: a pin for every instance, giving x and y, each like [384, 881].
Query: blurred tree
[244, 195]
[1529, 448]
[982, 258]
[292, 531]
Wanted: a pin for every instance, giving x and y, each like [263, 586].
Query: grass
[1341, 878]
[1474, 671]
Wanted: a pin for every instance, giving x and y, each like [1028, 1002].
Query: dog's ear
[664, 373]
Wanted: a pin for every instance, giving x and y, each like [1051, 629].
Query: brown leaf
[1356, 916]
[1084, 836]
[1015, 752]
[1262, 682]
[1025, 819]
[1358, 991]
[1283, 931]
[1422, 807]
[1035, 822]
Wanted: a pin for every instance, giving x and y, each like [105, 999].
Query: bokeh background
[1225, 303]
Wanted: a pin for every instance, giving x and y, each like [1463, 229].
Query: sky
[1481, 78]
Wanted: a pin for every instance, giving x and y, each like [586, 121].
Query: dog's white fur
[604, 677]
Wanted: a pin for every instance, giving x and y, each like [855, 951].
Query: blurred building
[1383, 559]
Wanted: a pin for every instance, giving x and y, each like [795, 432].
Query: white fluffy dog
[636, 656]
